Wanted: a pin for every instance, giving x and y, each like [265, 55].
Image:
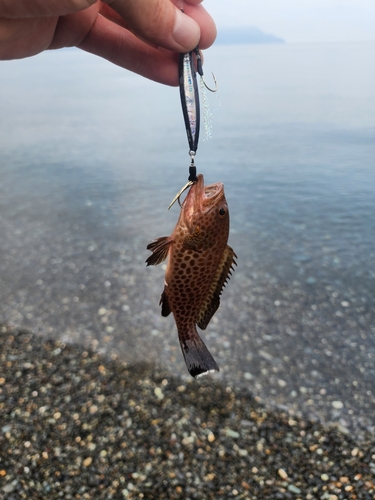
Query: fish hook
[209, 88]
[178, 195]
[200, 71]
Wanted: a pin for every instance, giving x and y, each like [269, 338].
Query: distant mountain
[245, 34]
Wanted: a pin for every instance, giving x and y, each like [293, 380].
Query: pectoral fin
[193, 241]
[212, 301]
[159, 249]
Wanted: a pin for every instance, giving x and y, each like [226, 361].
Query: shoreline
[87, 426]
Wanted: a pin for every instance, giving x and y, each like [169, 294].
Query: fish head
[205, 210]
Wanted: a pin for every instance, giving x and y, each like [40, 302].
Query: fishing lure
[190, 64]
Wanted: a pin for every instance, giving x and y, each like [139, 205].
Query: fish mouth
[206, 196]
[202, 198]
[213, 190]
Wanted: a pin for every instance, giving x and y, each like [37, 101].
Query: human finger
[159, 22]
[119, 46]
[18, 36]
[46, 8]
[205, 21]
[112, 15]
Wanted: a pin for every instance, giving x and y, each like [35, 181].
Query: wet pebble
[78, 425]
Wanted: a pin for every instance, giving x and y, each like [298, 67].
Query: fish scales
[199, 264]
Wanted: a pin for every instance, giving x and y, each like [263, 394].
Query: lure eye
[222, 212]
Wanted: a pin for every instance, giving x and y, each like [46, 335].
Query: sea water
[90, 157]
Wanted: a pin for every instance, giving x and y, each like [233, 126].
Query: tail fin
[198, 358]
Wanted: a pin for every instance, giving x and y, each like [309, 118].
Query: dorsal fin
[159, 249]
[212, 301]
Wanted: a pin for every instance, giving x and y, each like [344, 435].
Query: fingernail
[186, 32]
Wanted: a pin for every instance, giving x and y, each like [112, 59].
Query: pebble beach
[75, 424]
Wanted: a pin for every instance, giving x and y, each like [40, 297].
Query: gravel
[77, 424]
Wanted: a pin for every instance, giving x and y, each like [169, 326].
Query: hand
[143, 36]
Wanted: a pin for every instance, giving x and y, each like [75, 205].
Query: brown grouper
[199, 264]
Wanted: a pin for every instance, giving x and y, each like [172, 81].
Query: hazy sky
[300, 20]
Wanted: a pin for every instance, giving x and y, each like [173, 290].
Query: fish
[200, 262]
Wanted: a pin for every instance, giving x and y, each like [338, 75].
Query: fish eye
[222, 212]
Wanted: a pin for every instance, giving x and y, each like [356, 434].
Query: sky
[299, 20]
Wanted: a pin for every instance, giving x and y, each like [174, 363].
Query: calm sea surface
[91, 156]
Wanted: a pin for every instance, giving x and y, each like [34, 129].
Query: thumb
[159, 22]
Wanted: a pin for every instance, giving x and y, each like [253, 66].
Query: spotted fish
[199, 264]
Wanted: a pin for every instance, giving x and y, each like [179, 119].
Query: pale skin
[143, 36]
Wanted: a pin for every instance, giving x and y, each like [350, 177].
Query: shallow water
[91, 156]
